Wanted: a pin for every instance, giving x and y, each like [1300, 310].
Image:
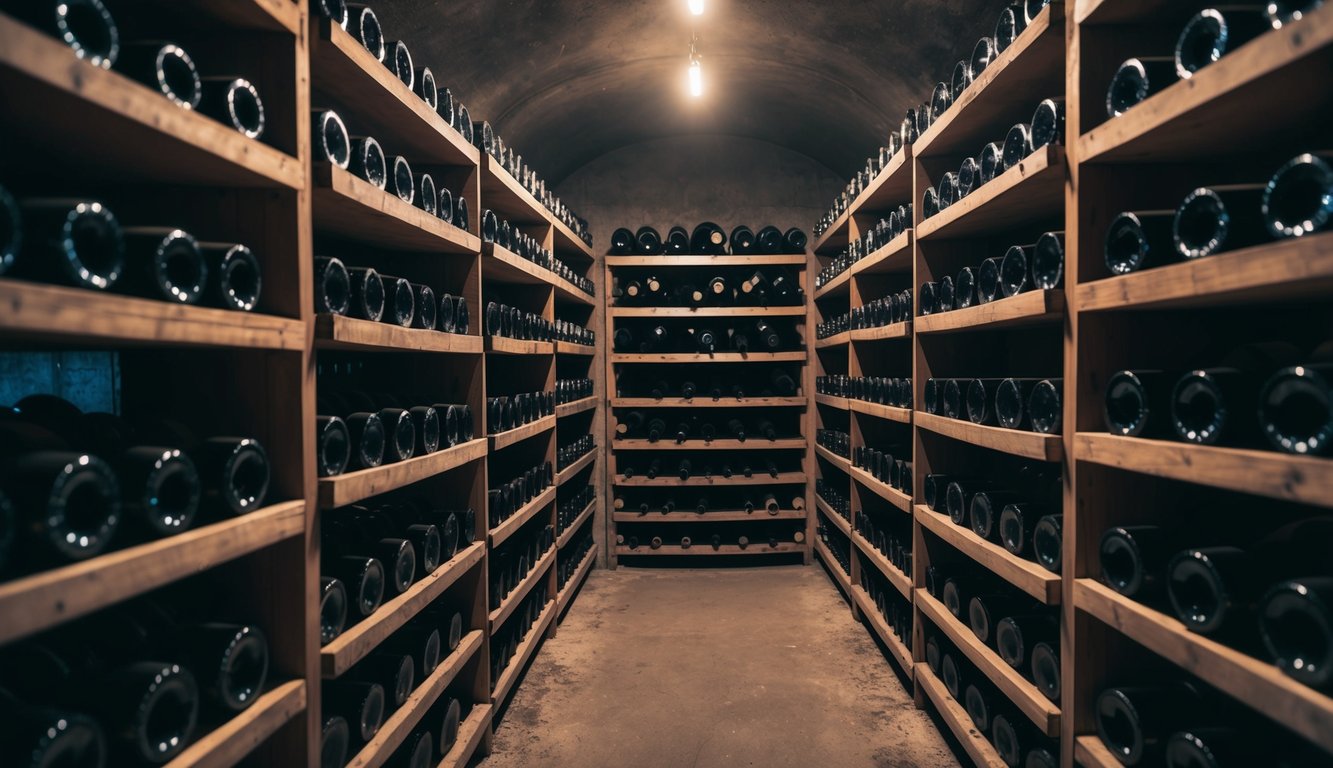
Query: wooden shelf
[471, 732]
[360, 639]
[1025, 696]
[891, 187]
[352, 487]
[501, 533]
[52, 313]
[711, 516]
[833, 458]
[1037, 307]
[399, 725]
[660, 262]
[380, 104]
[566, 594]
[832, 401]
[883, 490]
[900, 581]
[570, 348]
[500, 265]
[836, 340]
[1006, 91]
[1256, 683]
[1303, 479]
[1300, 268]
[707, 402]
[505, 684]
[881, 628]
[503, 345]
[507, 197]
[1090, 752]
[510, 603]
[783, 478]
[336, 332]
[840, 576]
[840, 285]
[518, 435]
[350, 207]
[230, 742]
[838, 520]
[755, 547]
[889, 412]
[893, 257]
[578, 406]
[1033, 190]
[901, 330]
[574, 527]
[955, 716]
[564, 475]
[138, 132]
[43, 600]
[716, 357]
[688, 312]
[1230, 101]
[1027, 576]
[1031, 445]
[718, 444]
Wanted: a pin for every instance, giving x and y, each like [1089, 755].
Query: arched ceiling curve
[566, 81]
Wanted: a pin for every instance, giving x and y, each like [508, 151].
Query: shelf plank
[336, 332]
[838, 520]
[881, 628]
[505, 684]
[570, 348]
[510, 603]
[350, 207]
[704, 402]
[844, 464]
[500, 265]
[755, 547]
[1006, 91]
[1031, 191]
[716, 357]
[1031, 702]
[1303, 479]
[883, 490]
[1090, 752]
[360, 639]
[52, 313]
[901, 330]
[840, 576]
[687, 312]
[718, 444]
[398, 726]
[955, 716]
[138, 131]
[834, 238]
[783, 478]
[566, 595]
[568, 534]
[380, 104]
[504, 195]
[840, 285]
[1300, 268]
[43, 600]
[1226, 102]
[230, 742]
[711, 516]
[1029, 577]
[1037, 307]
[352, 487]
[900, 581]
[564, 475]
[470, 734]
[501, 533]
[1254, 682]
[519, 434]
[889, 412]
[833, 401]
[892, 187]
[503, 345]
[577, 406]
[893, 257]
[1031, 445]
[656, 262]
[836, 340]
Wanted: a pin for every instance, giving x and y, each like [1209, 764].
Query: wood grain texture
[1026, 309]
[955, 716]
[886, 412]
[352, 487]
[347, 206]
[839, 522]
[230, 742]
[501, 533]
[1027, 576]
[336, 332]
[519, 434]
[883, 490]
[503, 345]
[505, 684]
[471, 733]
[1031, 445]
[1030, 191]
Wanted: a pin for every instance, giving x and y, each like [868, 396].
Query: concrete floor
[712, 668]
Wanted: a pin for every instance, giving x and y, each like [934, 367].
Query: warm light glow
[697, 7]
[696, 80]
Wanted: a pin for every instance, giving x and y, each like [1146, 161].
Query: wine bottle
[1044, 406]
[1212, 33]
[656, 428]
[1045, 667]
[736, 428]
[1011, 401]
[360, 704]
[364, 25]
[368, 294]
[1138, 403]
[1136, 80]
[1048, 124]
[1220, 218]
[677, 242]
[87, 28]
[951, 396]
[719, 292]
[1018, 521]
[648, 242]
[400, 301]
[1295, 199]
[705, 340]
[1294, 617]
[164, 68]
[769, 241]
[332, 608]
[978, 706]
[77, 242]
[333, 287]
[984, 511]
[1047, 542]
[985, 610]
[1010, 25]
[38, 736]
[401, 434]
[742, 241]
[1017, 144]
[795, 241]
[1140, 240]
[401, 181]
[368, 162]
[1048, 261]
[767, 337]
[1134, 722]
[708, 239]
[683, 431]
[1017, 636]
[622, 242]
[420, 641]
[981, 400]
[683, 469]
[1296, 409]
[1134, 559]
[952, 676]
[334, 738]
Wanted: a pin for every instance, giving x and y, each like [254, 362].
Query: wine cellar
[511, 394]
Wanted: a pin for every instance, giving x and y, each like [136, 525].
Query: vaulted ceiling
[566, 81]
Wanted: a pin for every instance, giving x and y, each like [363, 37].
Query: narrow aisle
[705, 668]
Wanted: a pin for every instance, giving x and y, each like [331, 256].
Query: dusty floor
[742, 667]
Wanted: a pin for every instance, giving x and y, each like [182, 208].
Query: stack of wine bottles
[862, 181]
[1261, 392]
[513, 560]
[366, 294]
[361, 430]
[1032, 404]
[1022, 268]
[715, 538]
[767, 287]
[758, 336]
[506, 639]
[1271, 597]
[705, 503]
[687, 468]
[877, 313]
[571, 504]
[572, 556]
[885, 231]
[514, 323]
[511, 238]
[573, 333]
[776, 382]
[1021, 512]
[90, 30]
[74, 483]
[369, 552]
[571, 390]
[1208, 36]
[487, 140]
[892, 541]
[837, 543]
[508, 412]
[505, 500]
[80, 242]
[434, 736]
[566, 455]
[708, 239]
[132, 686]
[837, 441]
[882, 390]
[833, 498]
[892, 606]
[881, 464]
[641, 425]
[1015, 740]
[1212, 220]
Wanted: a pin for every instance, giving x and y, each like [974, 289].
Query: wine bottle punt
[233, 101]
[990, 163]
[1048, 124]
[983, 53]
[361, 704]
[78, 242]
[622, 242]
[165, 68]
[1017, 144]
[364, 25]
[1298, 199]
[401, 181]
[1296, 409]
[1220, 218]
[1214, 32]
[1136, 80]
[399, 60]
[1010, 25]
[367, 294]
[648, 242]
[1044, 406]
[981, 400]
[335, 735]
[368, 161]
[1140, 240]
[1048, 542]
[1295, 621]
[332, 139]
[85, 26]
[1134, 722]
[1134, 559]
[332, 608]
[677, 242]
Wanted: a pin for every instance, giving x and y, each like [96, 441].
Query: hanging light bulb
[697, 7]
[696, 79]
